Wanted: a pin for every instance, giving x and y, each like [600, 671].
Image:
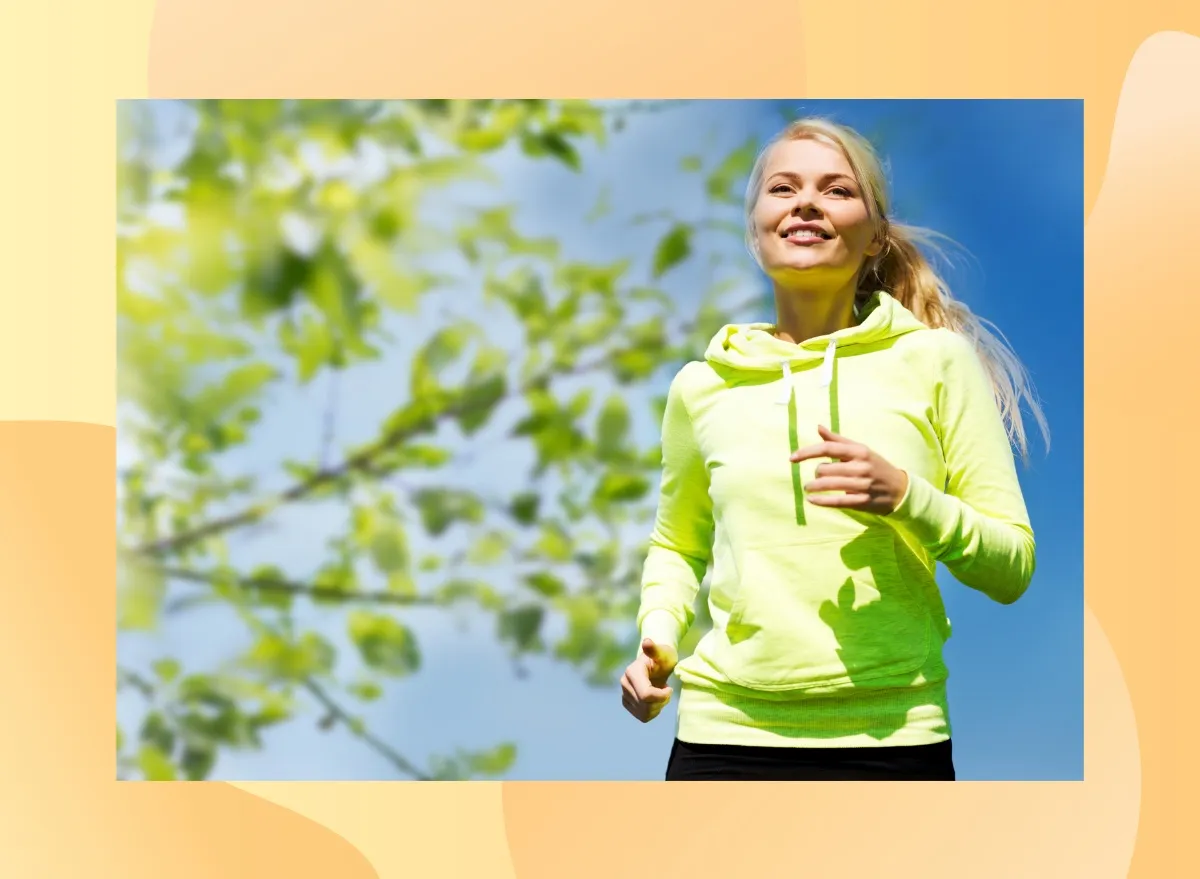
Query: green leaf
[612, 428]
[446, 346]
[261, 581]
[275, 275]
[418, 455]
[617, 488]
[524, 507]
[140, 598]
[545, 583]
[479, 401]
[634, 364]
[493, 762]
[389, 549]
[442, 508]
[673, 248]
[580, 117]
[156, 732]
[336, 576]
[579, 403]
[367, 691]
[275, 708]
[489, 549]
[155, 765]
[691, 164]
[522, 627]
[554, 543]
[470, 590]
[283, 659]
[197, 761]
[333, 288]
[441, 350]
[397, 287]
[523, 291]
[238, 386]
[385, 643]
[489, 136]
[310, 341]
[166, 669]
[734, 169]
[584, 635]
[402, 583]
[553, 144]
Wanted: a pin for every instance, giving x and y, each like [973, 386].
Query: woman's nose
[805, 205]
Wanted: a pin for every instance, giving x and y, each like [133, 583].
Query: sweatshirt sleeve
[681, 541]
[978, 527]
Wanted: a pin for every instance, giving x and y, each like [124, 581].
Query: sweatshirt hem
[916, 715]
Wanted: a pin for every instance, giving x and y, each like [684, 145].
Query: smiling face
[811, 223]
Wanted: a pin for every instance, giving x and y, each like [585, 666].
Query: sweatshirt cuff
[921, 511]
[661, 627]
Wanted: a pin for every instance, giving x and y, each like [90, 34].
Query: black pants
[692, 762]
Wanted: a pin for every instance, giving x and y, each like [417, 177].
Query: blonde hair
[902, 270]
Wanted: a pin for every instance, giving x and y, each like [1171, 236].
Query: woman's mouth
[805, 234]
[805, 237]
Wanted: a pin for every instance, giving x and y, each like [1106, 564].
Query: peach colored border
[67, 62]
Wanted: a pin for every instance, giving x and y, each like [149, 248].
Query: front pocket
[832, 613]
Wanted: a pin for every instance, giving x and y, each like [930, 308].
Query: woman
[823, 465]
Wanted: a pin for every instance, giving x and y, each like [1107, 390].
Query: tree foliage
[272, 252]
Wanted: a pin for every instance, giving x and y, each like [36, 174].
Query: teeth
[805, 233]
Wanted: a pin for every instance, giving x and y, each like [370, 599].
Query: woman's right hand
[644, 690]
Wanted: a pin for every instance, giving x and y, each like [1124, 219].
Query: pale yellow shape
[1112, 772]
[57, 201]
[408, 829]
[1140, 553]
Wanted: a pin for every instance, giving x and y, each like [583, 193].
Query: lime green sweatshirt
[828, 624]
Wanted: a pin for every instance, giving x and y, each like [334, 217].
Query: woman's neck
[803, 314]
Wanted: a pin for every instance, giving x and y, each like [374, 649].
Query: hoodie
[828, 624]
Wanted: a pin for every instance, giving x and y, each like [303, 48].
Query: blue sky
[1004, 180]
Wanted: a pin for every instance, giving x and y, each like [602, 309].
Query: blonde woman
[822, 466]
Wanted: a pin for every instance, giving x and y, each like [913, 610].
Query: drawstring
[785, 393]
[827, 366]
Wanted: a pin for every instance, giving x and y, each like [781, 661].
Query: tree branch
[272, 584]
[356, 728]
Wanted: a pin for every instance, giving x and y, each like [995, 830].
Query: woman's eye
[841, 190]
[782, 187]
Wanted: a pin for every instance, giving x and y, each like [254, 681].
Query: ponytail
[903, 271]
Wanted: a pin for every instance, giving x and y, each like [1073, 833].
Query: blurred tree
[265, 246]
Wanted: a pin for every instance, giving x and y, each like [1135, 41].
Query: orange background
[64, 62]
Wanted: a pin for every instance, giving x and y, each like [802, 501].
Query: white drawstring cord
[785, 394]
[827, 365]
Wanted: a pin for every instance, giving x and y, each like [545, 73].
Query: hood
[753, 347]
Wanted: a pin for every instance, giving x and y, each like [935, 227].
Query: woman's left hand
[870, 484]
